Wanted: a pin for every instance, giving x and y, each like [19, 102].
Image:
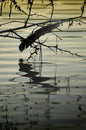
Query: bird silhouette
[25, 43]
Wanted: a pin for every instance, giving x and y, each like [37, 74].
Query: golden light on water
[62, 8]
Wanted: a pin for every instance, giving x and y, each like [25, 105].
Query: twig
[31, 4]
[40, 23]
[57, 48]
[9, 36]
[23, 27]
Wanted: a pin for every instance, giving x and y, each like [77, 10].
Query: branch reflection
[35, 77]
[41, 102]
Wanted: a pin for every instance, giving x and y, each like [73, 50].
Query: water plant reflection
[36, 78]
[39, 103]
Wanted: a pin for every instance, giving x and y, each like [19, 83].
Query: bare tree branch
[41, 27]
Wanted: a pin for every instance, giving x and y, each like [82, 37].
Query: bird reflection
[35, 77]
[26, 67]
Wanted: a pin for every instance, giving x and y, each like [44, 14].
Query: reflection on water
[41, 102]
[35, 77]
[46, 95]
[42, 111]
[43, 96]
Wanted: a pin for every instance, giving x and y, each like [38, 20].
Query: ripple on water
[49, 94]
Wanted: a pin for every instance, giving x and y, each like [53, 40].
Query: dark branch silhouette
[42, 27]
[38, 33]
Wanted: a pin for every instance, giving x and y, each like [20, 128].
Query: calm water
[47, 95]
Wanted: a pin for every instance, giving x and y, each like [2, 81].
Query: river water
[48, 94]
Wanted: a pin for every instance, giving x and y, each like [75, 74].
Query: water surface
[47, 95]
